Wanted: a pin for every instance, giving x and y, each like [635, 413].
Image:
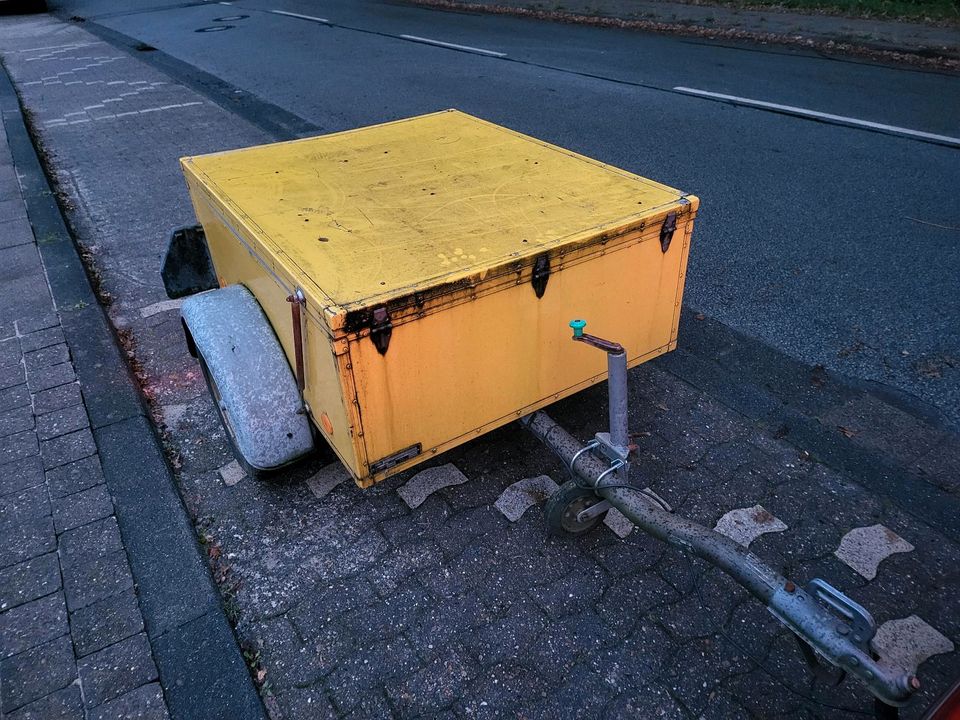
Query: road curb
[201, 668]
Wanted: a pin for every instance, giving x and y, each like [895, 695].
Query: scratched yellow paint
[439, 219]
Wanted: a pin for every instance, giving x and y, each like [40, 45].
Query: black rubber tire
[562, 507]
[254, 472]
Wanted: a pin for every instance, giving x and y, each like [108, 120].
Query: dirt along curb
[932, 47]
[201, 668]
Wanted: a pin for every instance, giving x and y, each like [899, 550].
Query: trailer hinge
[393, 460]
[540, 275]
[667, 230]
[381, 329]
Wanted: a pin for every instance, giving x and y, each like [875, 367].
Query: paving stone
[507, 637]
[359, 676]
[27, 538]
[45, 357]
[618, 523]
[17, 507]
[12, 375]
[17, 420]
[67, 448]
[82, 508]
[32, 623]
[144, 703]
[744, 525]
[62, 421]
[18, 446]
[116, 670]
[36, 672]
[40, 321]
[863, 549]
[524, 494]
[908, 642]
[42, 339]
[29, 580]
[326, 479]
[74, 476]
[90, 541]
[54, 398]
[436, 686]
[426, 482]
[14, 397]
[105, 622]
[64, 704]
[20, 475]
[232, 473]
[46, 378]
[10, 353]
[96, 578]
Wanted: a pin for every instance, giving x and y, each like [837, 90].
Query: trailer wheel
[565, 504]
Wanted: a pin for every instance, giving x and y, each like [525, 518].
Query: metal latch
[381, 329]
[540, 275]
[392, 461]
[667, 230]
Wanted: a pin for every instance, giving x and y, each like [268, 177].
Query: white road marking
[864, 548]
[232, 473]
[425, 483]
[453, 46]
[804, 112]
[302, 17]
[523, 495]
[908, 642]
[159, 307]
[326, 479]
[747, 524]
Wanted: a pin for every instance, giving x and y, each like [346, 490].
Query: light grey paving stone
[37, 672]
[81, 508]
[909, 641]
[27, 538]
[864, 548]
[172, 414]
[744, 525]
[74, 476]
[40, 321]
[144, 703]
[327, 478]
[10, 353]
[30, 503]
[95, 579]
[232, 473]
[62, 421]
[425, 483]
[117, 669]
[29, 580]
[106, 622]
[64, 704]
[524, 494]
[32, 623]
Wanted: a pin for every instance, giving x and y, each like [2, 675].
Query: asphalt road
[837, 244]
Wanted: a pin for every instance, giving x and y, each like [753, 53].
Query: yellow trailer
[436, 261]
[400, 289]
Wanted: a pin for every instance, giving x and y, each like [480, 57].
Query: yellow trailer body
[440, 259]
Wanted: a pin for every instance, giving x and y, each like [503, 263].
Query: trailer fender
[259, 401]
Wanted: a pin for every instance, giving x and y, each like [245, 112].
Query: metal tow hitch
[829, 625]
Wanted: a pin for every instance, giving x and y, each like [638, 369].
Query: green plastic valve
[578, 326]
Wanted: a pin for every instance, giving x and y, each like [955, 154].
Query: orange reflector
[327, 425]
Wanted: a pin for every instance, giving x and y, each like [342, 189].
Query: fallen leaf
[846, 431]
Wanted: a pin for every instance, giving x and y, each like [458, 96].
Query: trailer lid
[378, 213]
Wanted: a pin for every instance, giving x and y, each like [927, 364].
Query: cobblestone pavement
[72, 640]
[358, 605]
